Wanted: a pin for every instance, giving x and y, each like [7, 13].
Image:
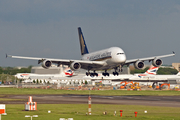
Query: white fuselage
[112, 56]
[37, 76]
[155, 77]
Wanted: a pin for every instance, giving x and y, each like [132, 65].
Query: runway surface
[168, 101]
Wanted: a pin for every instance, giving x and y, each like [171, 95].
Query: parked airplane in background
[63, 73]
[111, 58]
[151, 71]
[156, 77]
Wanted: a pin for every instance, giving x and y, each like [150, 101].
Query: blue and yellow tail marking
[83, 46]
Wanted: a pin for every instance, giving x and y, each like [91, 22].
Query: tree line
[14, 70]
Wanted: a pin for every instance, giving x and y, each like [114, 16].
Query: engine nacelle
[46, 64]
[157, 62]
[75, 66]
[139, 65]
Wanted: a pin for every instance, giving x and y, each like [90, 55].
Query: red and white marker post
[2, 110]
[89, 103]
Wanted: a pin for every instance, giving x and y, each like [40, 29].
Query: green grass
[78, 112]
[30, 91]
[7, 99]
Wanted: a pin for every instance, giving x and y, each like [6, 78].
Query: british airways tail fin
[178, 73]
[152, 70]
[83, 46]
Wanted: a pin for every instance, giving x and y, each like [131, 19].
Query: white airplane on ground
[150, 72]
[156, 77]
[66, 73]
[110, 58]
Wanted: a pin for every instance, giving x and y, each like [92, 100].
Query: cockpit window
[119, 53]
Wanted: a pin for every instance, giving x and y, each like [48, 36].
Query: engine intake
[157, 62]
[139, 65]
[46, 64]
[75, 66]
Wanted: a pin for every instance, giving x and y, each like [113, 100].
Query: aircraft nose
[122, 59]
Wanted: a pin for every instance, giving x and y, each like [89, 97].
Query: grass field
[30, 91]
[78, 112]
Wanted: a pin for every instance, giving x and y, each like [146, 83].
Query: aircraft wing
[148, 58]
[84, 64]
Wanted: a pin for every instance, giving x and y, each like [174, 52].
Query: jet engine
[139, 65]
[157, 62]
[46, 64]
[75, 66]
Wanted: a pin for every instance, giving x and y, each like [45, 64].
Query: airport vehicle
[63, 73]
[125, 83]
[110, 58]
[157, 87]
[135, 86]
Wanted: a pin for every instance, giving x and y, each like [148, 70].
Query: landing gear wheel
[87, 73]
[115, 73]
[105, 74]
[96, 74]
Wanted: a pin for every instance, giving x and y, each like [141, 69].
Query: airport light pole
[31, 116]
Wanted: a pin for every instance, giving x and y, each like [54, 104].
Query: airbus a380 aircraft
[110, 58]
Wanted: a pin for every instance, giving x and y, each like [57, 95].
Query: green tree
[48, 82]
[37, 81]
[139, 71]
[167, 71]
[86, 82]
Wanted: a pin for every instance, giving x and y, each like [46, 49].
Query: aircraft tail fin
[178, 73]
[152, 70]
[83, 46]
[68, 72]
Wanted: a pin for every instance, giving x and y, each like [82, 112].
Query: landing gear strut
[120, 68]
[115, 73]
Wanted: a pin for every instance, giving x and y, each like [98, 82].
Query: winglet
[83, 46]
[8, 56]
[173, 52]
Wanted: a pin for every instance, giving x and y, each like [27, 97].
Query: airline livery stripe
[101, 59]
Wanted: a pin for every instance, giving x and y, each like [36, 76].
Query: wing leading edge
[148, 58]
[84, 64]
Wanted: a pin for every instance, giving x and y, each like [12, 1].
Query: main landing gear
[105, 73]
[91, 74]
[115, 73]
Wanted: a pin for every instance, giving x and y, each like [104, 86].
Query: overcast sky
[48, 28]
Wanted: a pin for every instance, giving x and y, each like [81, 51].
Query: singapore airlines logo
[82, 45]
